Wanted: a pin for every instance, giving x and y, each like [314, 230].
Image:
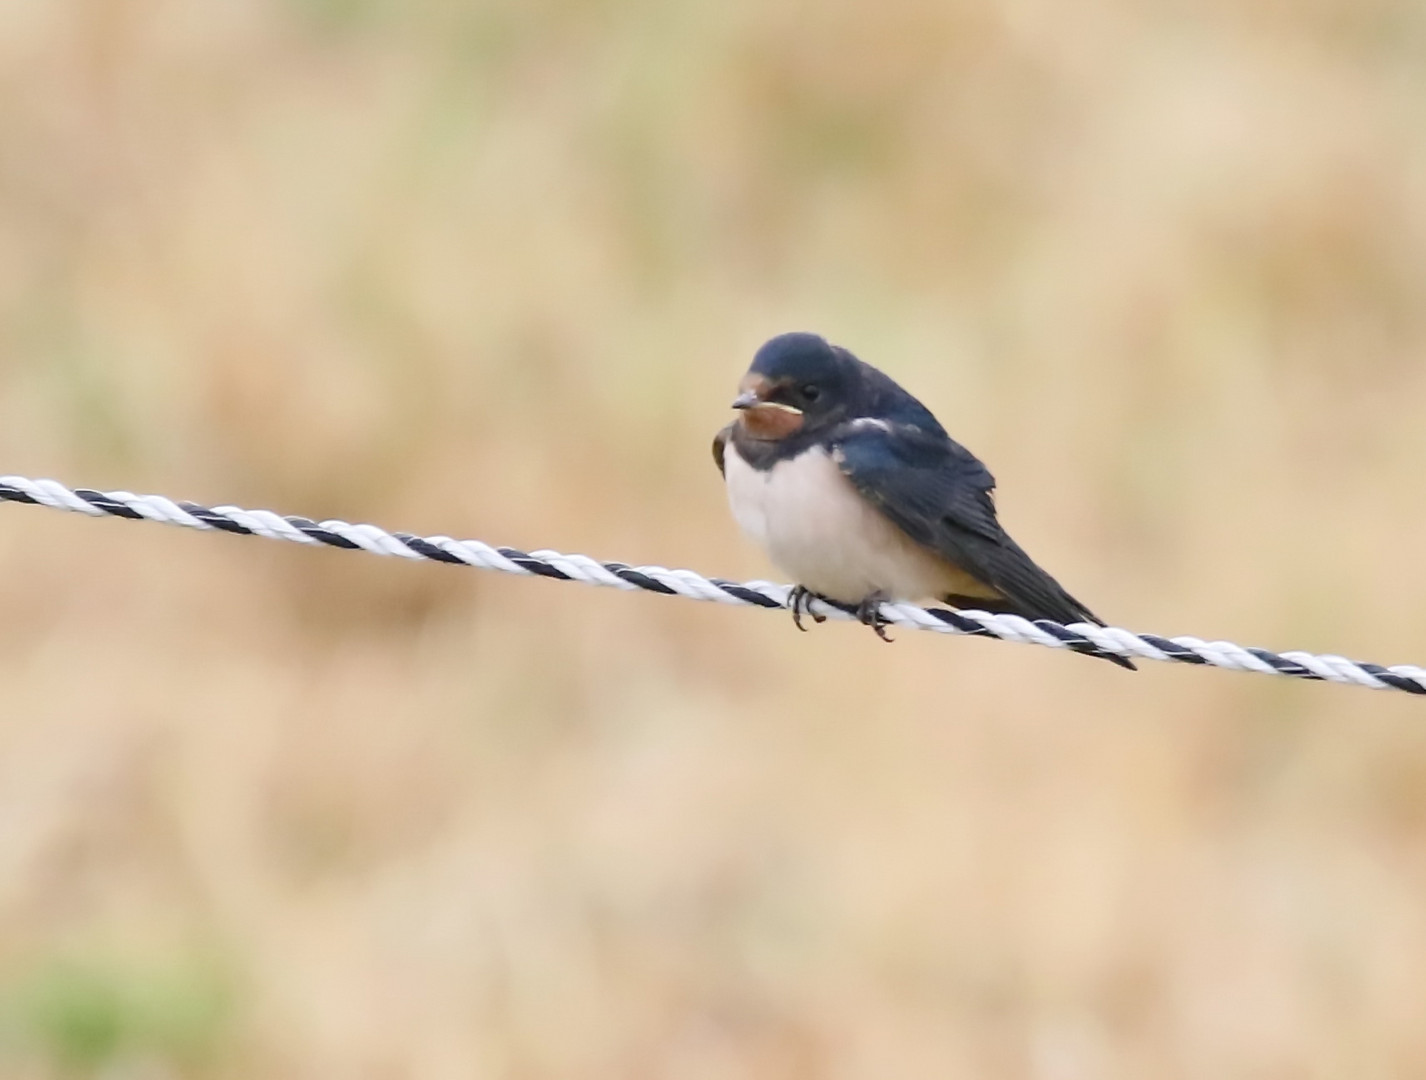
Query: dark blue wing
[939, 494]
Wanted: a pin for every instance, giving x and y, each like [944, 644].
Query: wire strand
[1080, 637]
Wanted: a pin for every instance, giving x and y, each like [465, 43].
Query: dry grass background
[492, 269]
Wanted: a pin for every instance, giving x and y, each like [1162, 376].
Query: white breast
[817, 528]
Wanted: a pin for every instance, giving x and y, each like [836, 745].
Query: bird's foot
[869, 612]
[800, 600]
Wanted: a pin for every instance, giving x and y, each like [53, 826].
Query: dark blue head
[797, 382]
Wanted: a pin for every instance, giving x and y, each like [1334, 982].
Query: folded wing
[939, 494]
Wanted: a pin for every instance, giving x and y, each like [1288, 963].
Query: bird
[856, 491]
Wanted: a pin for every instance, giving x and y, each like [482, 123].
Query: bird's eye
[810, 393]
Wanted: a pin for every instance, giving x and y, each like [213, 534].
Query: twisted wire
[1079, 637]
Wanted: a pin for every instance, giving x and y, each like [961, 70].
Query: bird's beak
[761, 418]
[753, 393]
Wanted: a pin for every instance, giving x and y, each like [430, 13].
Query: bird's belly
[817, 528]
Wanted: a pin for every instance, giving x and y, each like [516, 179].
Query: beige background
[494, 269]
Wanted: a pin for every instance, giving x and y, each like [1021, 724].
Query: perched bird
[856, 491]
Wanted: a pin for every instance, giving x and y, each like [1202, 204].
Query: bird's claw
[869, 612]
[800, 601]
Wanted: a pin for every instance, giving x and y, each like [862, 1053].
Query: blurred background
[493, 270]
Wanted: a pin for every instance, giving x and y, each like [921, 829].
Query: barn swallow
[856, 491]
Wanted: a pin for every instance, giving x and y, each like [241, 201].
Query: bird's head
[797, 382]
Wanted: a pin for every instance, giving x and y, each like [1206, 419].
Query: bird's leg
[800, 600]
[869, 612]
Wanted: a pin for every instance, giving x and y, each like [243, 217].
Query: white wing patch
[867, 423]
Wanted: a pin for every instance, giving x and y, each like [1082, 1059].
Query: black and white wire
[1080, 637]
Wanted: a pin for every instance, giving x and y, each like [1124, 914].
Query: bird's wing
[939, 494]
[720, 442]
